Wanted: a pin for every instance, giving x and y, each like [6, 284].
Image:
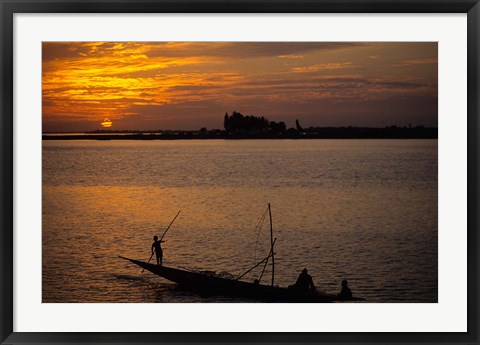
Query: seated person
[305, 281]
[346, 293]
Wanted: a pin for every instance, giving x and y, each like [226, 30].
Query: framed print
[246, 172]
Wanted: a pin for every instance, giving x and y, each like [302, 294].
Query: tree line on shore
[250, 124]
[239, 126]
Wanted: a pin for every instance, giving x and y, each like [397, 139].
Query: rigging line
[258, 228]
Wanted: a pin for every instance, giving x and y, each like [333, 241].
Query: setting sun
[106, 123]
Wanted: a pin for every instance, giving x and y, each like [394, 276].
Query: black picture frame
[9, 8]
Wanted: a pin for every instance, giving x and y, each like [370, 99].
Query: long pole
[266, 262]
[165, 232]
[272, 243]
[169, 226]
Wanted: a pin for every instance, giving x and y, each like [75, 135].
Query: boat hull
[209, 284]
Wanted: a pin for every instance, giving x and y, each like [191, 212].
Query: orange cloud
[427, 61]
[324, 66]
[291, 56]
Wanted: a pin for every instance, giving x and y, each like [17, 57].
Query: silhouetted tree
[250, 124]
[226, 122]
[299, 128]
[278, 127]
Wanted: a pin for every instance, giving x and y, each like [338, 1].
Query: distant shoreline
[312, 133]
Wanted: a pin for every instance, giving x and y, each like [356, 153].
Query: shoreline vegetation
[238, 126]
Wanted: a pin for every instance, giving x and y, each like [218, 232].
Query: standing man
[156, 245]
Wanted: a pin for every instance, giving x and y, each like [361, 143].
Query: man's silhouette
[305, 281]
[158, 249]
[346, 293]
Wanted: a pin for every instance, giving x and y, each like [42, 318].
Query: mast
[272, 242]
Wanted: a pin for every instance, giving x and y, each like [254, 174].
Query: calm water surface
[362, 210]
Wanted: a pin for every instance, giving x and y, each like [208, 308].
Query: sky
[190, 85]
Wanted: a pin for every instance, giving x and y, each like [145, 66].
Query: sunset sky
[188, 85]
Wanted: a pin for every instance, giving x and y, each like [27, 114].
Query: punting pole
[169, 225]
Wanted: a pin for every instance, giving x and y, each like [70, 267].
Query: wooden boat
[209, 282]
